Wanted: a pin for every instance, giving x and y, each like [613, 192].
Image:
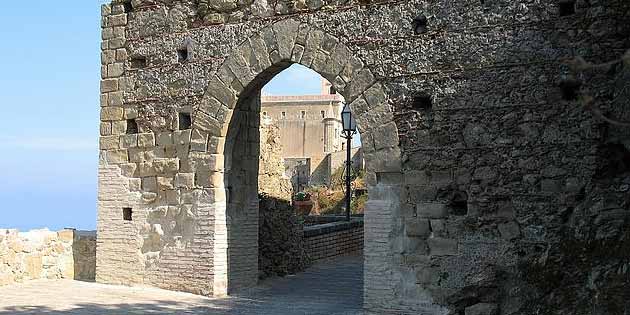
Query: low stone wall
[84, 251]
[44, 254]
[334, 239]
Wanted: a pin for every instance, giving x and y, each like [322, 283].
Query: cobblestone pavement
[330, 287]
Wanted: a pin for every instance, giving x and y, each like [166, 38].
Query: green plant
[302, 196]
[357, 205]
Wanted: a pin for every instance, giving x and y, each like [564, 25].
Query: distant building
[310, 130]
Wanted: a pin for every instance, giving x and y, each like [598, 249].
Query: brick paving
[332, 287]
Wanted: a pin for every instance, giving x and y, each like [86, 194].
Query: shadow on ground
[328, 288]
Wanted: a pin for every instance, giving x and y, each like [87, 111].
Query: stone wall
[272, 180]
[333, 239]
[491, 188]
[84, 252]
[42, 254]
[281, 249]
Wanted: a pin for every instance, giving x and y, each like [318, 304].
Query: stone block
[146, 140]
[135, 184]
[166, 166]
[164, 139]
[66, 235]
[109, 85]
[165, 183]
[108, 142]
[182, 137]
[119, 127]
[185, 180]
[312, 46]
[432, 210]
[128, 141]
[509, 230]
[442, 246]
[115, 70]
[438, 227]
[485, 173]
[115, 99]
[117, 20]
[286, 31]
[107, 57]
[428, 276]
[209, 179]
[207, 123]
[149, 184]
[111, 113]
[417, 227]
[106, 128]
[482, 309]
[117, 156]
[387, 137]
[121, 54]
[33, 266]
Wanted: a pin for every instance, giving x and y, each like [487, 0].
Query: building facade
[490, 190]
[310, 129]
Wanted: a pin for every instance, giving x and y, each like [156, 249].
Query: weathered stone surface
[472, 107]
[42, 254]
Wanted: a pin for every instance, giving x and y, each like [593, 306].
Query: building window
[182, 55]
[323, 114]
[284, 115]
[303, 114]
[132, 126]
[127, 214]
[185, 121]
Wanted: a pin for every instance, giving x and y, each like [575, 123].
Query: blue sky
[49, 91]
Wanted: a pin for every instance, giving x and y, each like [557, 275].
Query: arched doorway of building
[230, 113]
[284, 173]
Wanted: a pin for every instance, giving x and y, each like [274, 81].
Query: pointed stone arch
[248, 68]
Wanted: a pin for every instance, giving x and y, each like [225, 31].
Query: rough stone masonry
[492, 190]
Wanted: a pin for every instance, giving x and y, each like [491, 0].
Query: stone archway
[231, 102]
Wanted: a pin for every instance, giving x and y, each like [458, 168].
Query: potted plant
[302, 203]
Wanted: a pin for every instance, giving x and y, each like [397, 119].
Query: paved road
[331, 287]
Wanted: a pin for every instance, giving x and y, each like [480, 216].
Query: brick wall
[333, 239]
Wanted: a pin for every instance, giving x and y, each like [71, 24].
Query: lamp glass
[347, 119]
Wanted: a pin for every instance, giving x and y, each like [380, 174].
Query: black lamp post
[349, 130]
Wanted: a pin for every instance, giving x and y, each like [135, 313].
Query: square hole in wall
[132, 126]
[127, 214]
[422, 101]
[570, 89]
[182, 55]
[566, 7]
[185, 121]
[138, 62]
[127, 6]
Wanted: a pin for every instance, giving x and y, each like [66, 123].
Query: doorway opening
[285, 166]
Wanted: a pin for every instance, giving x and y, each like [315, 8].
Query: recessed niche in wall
[138, 62]
[185, 121]
[182, 55]
[422, 101]
[127, 214]
[566, 7]
[419, 24]
[459, 203]
[132, 126]
[570, 88]
[127, 6]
